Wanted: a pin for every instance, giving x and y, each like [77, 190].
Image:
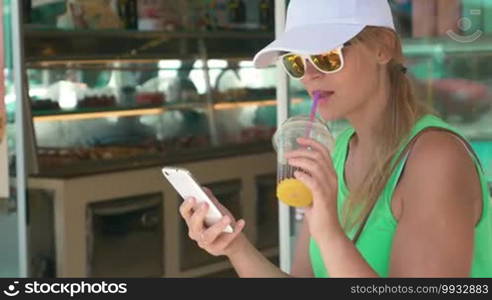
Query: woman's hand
[211, 239]
[320, 177]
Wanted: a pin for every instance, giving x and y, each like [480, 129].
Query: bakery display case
[97, 116]
[122, 84]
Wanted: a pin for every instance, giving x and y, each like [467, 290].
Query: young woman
[401, 194]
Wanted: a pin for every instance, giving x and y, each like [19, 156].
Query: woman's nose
[311, 72]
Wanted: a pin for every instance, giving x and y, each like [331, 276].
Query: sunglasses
[327, 63]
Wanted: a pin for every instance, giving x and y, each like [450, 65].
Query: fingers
[311, 155]
[221, 207]
[314, 162]
[226, 238]
[195, 223]
[211, 195]
[211, 234]
[215, 241]
[207, 191]
[309, 181]
[318, 152]
[212, 239]
[316, 146]
[312, 167]
[186, 208]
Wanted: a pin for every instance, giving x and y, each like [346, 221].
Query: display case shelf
[142, 161]
[56, 45]
[108, 112]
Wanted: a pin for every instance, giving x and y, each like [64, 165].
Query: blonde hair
[402, 113]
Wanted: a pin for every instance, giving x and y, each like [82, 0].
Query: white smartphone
[186, 186]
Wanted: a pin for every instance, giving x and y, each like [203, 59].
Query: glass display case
[151, 82]
[96, 115]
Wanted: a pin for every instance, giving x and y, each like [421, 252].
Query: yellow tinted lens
[293, 64]
[328, 62]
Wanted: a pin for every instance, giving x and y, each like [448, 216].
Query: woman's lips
[324, 95]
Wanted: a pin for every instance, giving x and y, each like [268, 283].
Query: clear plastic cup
[290, 190]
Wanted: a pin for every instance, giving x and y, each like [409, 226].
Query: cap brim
[311, 39]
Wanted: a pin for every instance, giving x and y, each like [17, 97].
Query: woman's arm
[342, 258]
[246, 260]
[442, 201]
[301, 265]
[249, 262]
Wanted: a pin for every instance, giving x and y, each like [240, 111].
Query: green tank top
[375, 240]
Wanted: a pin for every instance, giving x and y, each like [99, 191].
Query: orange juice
[294, 193]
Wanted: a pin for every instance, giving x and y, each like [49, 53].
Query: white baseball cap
[317, 26]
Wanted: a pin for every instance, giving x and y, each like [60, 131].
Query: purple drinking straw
[312, 115]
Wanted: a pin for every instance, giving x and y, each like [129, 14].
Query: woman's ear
[385, 48]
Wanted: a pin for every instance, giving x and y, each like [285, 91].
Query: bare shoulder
[441, 171]
[439, 148]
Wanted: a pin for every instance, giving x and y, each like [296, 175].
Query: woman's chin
[329, 116]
